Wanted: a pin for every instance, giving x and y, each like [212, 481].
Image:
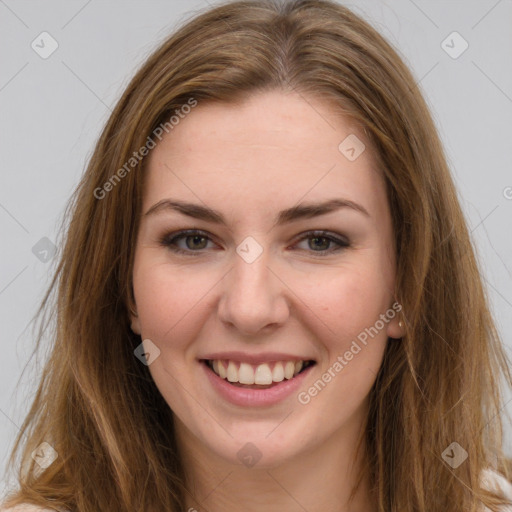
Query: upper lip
[255, 358]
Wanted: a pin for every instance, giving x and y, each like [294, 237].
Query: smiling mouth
[262, 376]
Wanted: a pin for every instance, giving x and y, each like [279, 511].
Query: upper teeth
[245, 373]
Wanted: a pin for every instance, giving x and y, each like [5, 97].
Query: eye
[321, 239]
[196, 241]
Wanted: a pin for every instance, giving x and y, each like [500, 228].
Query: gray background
[52, 111]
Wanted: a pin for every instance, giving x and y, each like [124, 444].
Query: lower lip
[246, 397]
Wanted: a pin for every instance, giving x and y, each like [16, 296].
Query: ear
[395, 327]
[134, 318]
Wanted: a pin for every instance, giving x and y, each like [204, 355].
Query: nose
[254, 298]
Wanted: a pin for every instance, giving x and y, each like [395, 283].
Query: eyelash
[169, 241]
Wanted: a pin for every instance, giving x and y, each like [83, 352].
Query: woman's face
[254, 289]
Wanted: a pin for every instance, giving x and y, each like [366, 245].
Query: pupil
[320, 238]
[195, 238]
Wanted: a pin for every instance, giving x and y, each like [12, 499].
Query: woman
[260, 369]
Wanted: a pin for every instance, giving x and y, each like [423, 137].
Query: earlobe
[134, 320]
[396, 328]
[135, 325]
[401, 328]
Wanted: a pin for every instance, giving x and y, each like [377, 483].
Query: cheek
[357, 338]
[337, 304]
[168, 300]
[351, 306]
[351, 301]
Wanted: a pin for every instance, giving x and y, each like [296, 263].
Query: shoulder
[494, 481]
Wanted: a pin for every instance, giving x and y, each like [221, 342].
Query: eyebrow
[301, 211]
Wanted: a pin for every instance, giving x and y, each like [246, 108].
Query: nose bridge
[252, 278]
[252, 296]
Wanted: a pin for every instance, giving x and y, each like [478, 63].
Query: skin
[250, 161]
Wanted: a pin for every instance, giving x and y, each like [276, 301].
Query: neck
[321, 478]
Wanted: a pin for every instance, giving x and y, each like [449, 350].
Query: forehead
[271, 148]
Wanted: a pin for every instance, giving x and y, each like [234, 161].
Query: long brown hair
[98, 406]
